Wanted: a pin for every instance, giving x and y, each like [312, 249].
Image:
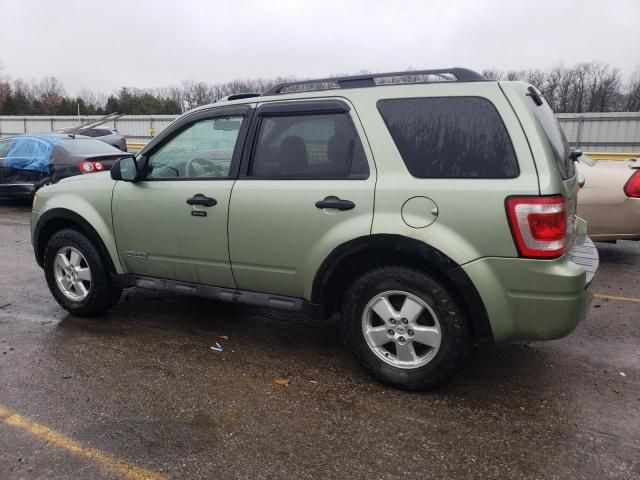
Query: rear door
[306, 186]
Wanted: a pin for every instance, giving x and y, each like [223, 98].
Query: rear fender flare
[447, 268]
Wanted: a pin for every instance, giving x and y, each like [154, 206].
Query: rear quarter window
[450, 137]
[557, 140]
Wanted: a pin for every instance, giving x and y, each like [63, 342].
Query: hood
[98, 176]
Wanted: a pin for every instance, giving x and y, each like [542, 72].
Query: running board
[280, 302]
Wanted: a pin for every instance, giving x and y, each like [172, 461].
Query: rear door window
[309, 146]
[450, 137]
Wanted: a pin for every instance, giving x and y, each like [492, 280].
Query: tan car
[610, 199]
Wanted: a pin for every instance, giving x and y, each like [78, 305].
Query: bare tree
[632, 100]
[604, 88]
[551, 85]
[535, 77]
[94, 100]
[492, 73]
[196, 93]
[582, 88]
[50, 93]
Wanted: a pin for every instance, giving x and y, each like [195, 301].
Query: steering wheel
[189, 169]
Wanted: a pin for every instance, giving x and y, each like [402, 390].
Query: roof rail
[368, 80]
[237, 96]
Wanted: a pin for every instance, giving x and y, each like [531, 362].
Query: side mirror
[575, 154]
[125, 169]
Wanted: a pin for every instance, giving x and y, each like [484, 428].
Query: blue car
[30, 161]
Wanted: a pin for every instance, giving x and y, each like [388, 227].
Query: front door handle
[200, 199]
[335, 203]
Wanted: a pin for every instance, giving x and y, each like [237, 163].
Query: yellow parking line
[613, 297]
[58, 439]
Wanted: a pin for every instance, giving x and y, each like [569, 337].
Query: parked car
[108, 135]
[97, 129]
[610, 199]
[27, 162]
[428, 215]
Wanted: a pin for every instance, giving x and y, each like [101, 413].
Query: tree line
[584, 87]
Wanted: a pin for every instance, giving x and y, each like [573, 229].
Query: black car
[30, 161]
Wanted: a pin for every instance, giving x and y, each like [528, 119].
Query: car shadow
[279, 341]
[624, 252]
[12, 202]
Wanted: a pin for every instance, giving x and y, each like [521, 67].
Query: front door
[308, 188]
[173, 222]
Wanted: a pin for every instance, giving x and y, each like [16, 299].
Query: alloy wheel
[401, 329]
[72, 273]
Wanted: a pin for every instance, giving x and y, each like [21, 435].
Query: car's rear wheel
[77, 275]
[405, 327]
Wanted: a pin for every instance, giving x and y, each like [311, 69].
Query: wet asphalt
[142, 385]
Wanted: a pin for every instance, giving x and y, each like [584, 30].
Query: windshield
[87, 145]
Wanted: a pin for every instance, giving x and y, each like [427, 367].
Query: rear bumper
[613, 222]
[16, 190]
[530, 299]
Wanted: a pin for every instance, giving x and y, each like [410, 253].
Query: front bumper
[17, 190]
[528, 299]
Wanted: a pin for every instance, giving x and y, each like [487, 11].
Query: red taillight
[88, 167]
[539, 225]
[632, 187]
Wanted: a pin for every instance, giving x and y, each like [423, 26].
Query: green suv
[428, 214]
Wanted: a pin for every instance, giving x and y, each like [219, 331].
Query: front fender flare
[105, 242]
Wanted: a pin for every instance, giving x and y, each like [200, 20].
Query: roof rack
[368, 80]
[96, 123]
[237, 96]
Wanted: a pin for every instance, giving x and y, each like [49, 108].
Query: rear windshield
[96, 132]
[555, 136]
[450, 137]
[87, 145]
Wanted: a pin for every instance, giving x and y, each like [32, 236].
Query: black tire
[102, 293]
[455, 336]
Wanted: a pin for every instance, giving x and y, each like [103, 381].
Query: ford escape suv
[429, 215]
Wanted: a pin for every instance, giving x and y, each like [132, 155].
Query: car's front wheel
[77, 274]
[405, 327]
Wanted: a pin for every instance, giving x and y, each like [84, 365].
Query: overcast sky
[107, 44]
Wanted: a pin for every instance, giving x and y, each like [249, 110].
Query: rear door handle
[335, 203]
[200, 199]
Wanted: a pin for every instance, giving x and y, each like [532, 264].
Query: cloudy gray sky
[108, 44]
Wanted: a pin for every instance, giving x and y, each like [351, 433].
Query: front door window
[202, 150]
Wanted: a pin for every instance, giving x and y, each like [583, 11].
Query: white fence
[136, 128]
[602, 132]
[599, 132]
